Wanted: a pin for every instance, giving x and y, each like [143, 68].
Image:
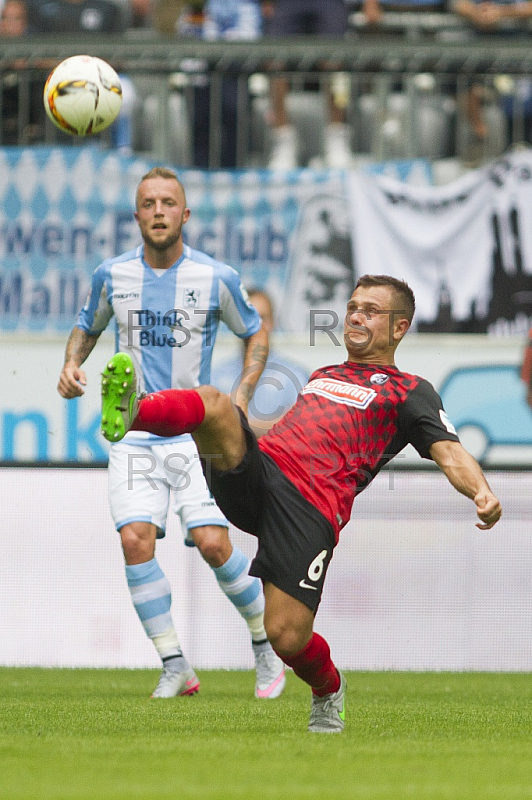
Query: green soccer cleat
[119, 397]
[327, 714]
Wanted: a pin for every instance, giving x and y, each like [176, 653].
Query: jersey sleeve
[235, 309]
[97, 311]
[423, 421]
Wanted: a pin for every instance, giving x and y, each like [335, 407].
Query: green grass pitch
[96, 735]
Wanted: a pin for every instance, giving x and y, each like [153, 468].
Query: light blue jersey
[167, 320]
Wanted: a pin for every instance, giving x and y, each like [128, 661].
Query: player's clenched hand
[488, 510]
[71, 381]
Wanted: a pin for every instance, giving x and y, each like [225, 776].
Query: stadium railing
[415, 71]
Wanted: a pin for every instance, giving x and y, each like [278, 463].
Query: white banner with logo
[465, 248]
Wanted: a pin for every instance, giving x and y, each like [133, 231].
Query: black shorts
[307, 17]
[296, 541]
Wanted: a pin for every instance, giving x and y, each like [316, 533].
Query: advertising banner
[305, 236]
[65, 210]
[477, 377]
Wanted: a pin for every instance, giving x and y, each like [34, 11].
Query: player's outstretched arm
[78, 348]
[465, 474]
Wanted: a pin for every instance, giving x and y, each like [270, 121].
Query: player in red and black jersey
[294, 487]
[370, 412]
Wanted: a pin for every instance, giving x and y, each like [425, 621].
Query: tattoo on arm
[79, 346]
[259, 354]
[255, 358]
[245, 392]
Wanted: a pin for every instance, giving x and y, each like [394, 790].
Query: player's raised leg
[205, 411]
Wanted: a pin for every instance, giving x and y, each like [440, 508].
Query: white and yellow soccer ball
[83, 95]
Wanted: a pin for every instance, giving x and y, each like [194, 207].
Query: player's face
[371, 330]
[161, 212]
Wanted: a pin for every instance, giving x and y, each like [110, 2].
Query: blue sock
[151, 595]
[244, 591]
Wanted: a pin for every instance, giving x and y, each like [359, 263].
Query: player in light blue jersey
[167, 301]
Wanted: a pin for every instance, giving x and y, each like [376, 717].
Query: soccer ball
[82, 95]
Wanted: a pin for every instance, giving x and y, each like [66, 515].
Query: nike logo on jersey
[305, 585]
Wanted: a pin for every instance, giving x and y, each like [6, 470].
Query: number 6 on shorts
[315, 570]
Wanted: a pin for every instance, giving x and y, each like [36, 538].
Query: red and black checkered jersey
[347, 423]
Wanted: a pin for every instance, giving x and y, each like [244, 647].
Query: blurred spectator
[167, 13]
[92, 17]
[140, 13]
[77, 16]
[280, 382]
[502, 18]
[381, 6]
[13, 24]
[14, 18]
[320, 18]
[136, 13]
[232, 20]
[419, 106]
[492, 16]
[228, 20]
[526, 369]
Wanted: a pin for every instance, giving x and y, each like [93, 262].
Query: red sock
[313, 665]
[170, 413]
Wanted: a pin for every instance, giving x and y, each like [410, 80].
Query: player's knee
[216, 402]
[285, 637]
[213, 545]
[213, 554]
[209, 395]
[137, 546]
